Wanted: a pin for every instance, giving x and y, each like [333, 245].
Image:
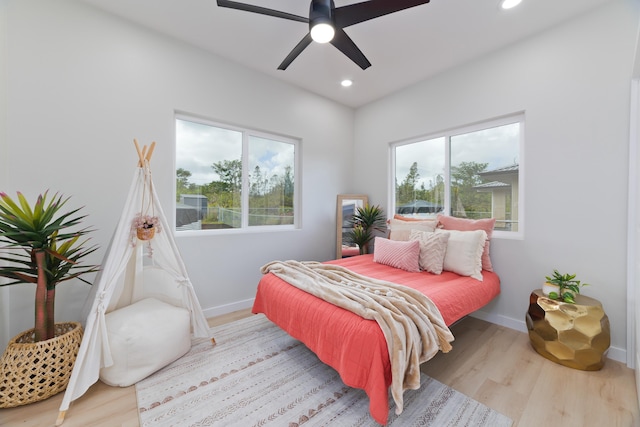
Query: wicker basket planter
[33, 371]
[146, 233]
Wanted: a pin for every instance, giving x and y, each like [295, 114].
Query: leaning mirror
[346, 207]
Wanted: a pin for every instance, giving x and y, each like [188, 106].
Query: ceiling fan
[326, 23]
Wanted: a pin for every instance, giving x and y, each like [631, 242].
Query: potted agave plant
[366, 221]
[38, 248]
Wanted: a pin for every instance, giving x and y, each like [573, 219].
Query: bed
[352, 345]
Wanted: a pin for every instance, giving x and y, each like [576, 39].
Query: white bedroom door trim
[633, 225]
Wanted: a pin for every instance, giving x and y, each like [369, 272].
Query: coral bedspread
[354, 346]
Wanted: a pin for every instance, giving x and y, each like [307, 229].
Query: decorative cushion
[463, 224]
[144, 337]
[410, 218]
[401, 229]
[403, 255]
[433, 248]
[464, 252]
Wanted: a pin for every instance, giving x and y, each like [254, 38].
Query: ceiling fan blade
[295, 52]
[345, 45]
[359, 12]
[261, 10]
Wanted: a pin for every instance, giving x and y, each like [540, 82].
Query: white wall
[4, 293]
[573, 84]
[82, 84]
[78, 85]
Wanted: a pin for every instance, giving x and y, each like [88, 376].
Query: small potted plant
[39, 249]
[145, 226]
[563, 287]
[366, 220]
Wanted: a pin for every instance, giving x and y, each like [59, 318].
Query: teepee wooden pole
[140, 153]
[60, 418]
[150, 152]
[144, 155]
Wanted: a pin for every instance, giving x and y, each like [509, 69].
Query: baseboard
[614, 353]
[637, 372]
[227, 308]
[508, 322]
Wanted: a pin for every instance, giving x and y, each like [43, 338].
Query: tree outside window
[472, 172]
[211, 163]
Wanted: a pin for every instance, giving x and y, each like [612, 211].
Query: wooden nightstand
[575, 335]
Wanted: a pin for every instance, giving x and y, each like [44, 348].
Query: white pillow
[464, 252]
[463, 224]
[433, 248]
[400, 230]
[144, 337]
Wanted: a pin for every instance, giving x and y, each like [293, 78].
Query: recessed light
[509, 4]
[346, 83]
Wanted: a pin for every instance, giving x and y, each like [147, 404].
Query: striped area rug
[256, 375]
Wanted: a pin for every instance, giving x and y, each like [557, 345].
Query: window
[472, 172]
[233, 178]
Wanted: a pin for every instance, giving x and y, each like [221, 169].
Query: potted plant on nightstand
[39, 249]
[366, 220]
[563, 287]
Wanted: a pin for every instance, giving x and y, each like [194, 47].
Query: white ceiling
[403, 48]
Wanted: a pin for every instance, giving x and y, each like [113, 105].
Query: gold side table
[574, 335]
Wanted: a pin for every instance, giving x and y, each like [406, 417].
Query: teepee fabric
[121, 282]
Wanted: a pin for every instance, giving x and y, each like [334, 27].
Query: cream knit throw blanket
[411, 323]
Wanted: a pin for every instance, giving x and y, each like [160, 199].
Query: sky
[198, 146]
[498, 146]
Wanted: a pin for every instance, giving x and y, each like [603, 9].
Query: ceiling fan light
[322, 33]
[509, 4]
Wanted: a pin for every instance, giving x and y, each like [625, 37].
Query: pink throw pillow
[398, 254]
[463, 224]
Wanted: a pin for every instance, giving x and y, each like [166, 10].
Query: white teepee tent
[132, 270]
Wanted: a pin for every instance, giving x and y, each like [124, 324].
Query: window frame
[247, 133]
[457, 131]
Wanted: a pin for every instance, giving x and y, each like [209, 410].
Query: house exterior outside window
[470, 172]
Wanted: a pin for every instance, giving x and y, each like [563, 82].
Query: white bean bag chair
[144, 337]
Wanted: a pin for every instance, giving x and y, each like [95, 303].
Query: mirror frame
[360, 200]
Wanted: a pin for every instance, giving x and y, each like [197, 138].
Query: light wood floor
[490, 363]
